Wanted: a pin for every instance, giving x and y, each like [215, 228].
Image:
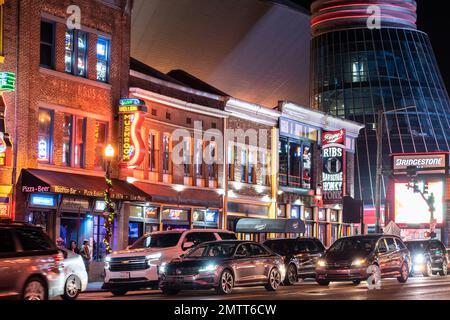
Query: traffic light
[426, 188]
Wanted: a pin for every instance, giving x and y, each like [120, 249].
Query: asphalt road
[434, 288]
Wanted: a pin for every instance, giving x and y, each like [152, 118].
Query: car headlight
[151, 258]
[419, 258]
[358, 262]
[321, 263]
[282, 270]
[208, 268]
[107, 261]
[163, 268]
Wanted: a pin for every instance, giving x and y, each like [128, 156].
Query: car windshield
[416, 245]
[165, 240]
[213, 250]
[354, 245]
[283, 248]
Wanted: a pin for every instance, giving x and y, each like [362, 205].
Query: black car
[356, 258]
[429, 257]
[300, 256]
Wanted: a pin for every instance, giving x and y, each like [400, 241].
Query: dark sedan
[429, 257]
[223, 265]
[349, 259]
[300, 256]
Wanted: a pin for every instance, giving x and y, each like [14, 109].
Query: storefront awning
[270, 226]
[43, 181]
[188, 197]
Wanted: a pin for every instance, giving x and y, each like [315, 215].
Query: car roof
[18, 225]
[292, 239]
[190, 230]
[372, 236]
[229, 241]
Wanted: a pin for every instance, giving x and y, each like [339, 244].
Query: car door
[394, 256]
[7, 265]
[383, 256]
[302, 253]
[262, 261]
[243, 265]
[436, 254]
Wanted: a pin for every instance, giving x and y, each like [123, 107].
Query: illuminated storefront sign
[43, 200]
[7, 81]
[4, 208]
[421, 161]
[132, 115]
[333, 159]
[5, 140]
[411, 209]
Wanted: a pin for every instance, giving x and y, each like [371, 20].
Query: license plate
[124, 275]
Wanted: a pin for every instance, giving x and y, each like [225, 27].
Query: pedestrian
[60, 243]
[73, 247]
[85, 253]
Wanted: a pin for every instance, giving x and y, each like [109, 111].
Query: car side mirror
[382, 250]
[188, 245]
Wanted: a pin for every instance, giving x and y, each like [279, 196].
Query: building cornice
[175, 86]
[176, 103]
[319, 119]
[252, 112]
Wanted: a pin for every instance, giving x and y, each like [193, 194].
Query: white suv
[137, 267]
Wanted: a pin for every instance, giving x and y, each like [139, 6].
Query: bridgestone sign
[423, 161]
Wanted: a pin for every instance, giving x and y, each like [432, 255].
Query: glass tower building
[359, 68]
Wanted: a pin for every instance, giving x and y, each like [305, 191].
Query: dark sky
[434, 20]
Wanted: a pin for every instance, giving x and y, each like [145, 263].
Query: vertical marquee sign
[334, 166]
[132, 116]
[7, 84]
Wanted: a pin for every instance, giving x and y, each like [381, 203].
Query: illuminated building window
[166, 154]
[198, 158]
[101, 139]
[295, 164]
[251, 167]
[74, 141]
[76, 53]
[187, 157]
[231, 161]
[152, 152]
[243, 164]
[47, 47]
[45, 133]
[265, 167]
[212, 173]
[102, 59]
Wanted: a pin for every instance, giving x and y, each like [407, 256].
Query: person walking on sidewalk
[85, 253]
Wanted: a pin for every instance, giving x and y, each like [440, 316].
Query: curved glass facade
[357, 72]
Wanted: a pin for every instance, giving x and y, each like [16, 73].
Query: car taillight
[58, 257]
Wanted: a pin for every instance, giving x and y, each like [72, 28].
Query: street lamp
[379, 177]
[109, 205]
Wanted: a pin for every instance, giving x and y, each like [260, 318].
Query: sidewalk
[94, 287]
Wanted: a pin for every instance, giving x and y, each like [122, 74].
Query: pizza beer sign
[333, 171]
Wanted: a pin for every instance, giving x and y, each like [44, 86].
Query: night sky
[434, 20]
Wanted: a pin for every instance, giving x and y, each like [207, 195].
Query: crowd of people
[84, 251]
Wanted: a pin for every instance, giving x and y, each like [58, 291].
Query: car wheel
[35, 289]
[444, 270]
[291, 275]
[170, 291]
[323, 283]
[356, 282]
[274, 280]
[226, 283]
[119, 292]
[72, 288]
[404, 273]
[428, 270]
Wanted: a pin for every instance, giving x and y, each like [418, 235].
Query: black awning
[270, 226]
[43, 181]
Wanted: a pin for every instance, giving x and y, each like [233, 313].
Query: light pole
[379, 173]
[109, 206]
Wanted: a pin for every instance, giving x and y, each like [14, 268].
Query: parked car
[428, 257]
[300, 256]
[137, 266]
[30, 264]
[75, 275]
[349, 258]
[223, 265]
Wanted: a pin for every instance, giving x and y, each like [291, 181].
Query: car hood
[189, 262]
[345, 256]
[138, 252]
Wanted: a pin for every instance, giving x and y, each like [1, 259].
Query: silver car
[30, 264]
[75, 275]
